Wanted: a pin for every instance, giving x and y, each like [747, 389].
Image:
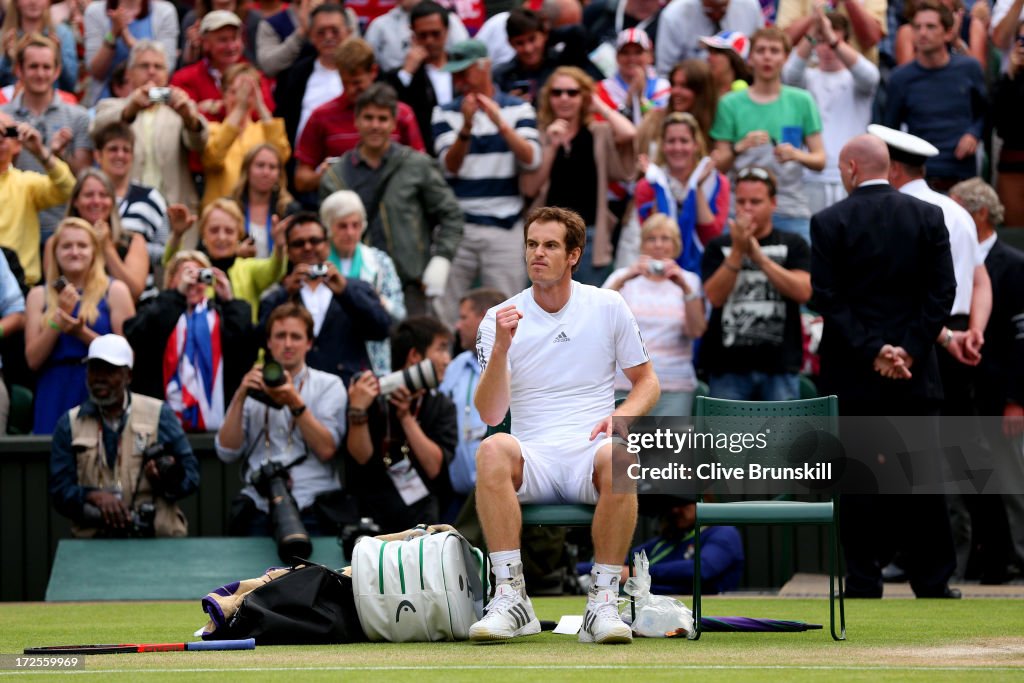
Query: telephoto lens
[423, 375]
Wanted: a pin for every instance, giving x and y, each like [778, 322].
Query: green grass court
[895, 640]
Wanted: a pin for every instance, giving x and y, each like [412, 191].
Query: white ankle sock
[506, 564]
[606, 576]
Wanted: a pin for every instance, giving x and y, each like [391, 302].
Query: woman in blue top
[76, 303]
[111, 29]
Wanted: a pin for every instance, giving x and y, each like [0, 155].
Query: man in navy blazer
[883, 281]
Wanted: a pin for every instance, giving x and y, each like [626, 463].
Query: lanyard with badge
[403, 475]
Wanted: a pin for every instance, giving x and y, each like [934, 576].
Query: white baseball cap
[112, 349]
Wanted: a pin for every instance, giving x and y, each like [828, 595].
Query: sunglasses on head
[565, 92]
[301, 242]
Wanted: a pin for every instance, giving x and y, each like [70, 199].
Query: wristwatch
[298, 411]
[947, 337]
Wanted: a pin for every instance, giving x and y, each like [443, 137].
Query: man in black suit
[883, 280]
[999, 382]
[421, 83]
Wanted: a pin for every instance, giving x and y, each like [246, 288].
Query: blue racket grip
[247, 644]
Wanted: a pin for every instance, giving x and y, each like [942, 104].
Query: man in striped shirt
[484, 139]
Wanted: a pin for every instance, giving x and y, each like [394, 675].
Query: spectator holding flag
[192, 350]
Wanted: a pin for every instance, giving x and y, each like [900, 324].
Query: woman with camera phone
[669, 309]
[402, 433]
[586, 144]
[262, 192]
[220, 229]
[76, 303]
[191, 349]
[124, 253]
[683, 183]
[237, 134]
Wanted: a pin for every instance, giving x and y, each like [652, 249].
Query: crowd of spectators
[175, 171]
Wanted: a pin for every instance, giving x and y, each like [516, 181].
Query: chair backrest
[19, 420]
[795, 432]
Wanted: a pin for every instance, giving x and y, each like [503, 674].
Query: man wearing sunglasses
[756, 278]
[346, 311]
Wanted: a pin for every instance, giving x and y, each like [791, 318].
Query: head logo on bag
[405, 604]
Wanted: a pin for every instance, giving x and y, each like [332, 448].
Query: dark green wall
[30, 528]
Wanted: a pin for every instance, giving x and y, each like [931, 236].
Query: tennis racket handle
[246, 644]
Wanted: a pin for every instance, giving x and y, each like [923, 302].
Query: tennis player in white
[549, 353]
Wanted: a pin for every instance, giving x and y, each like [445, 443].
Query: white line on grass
[544, 667]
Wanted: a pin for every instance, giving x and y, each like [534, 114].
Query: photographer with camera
[120, 460]
[347, 311]
[193, 350]
[285, 422]
[402, 433]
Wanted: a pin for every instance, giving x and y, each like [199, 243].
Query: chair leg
[695, 634]
[835, 568]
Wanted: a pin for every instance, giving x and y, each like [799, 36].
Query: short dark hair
[428, 8]
[115, 130]
[522, 21]
[945, 15]
[378, 95]
[302, 218]
[840, 24]
[328, 8]
[756, 174]
[575, 228]
[483, 299]
[290, 309]
[415, 332]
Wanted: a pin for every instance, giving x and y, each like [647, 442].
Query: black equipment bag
[309, 605]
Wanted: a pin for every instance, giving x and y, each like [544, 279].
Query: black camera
[273, 376]
[351, 533]
[271, 482]
[11, 132]
[168, 467]
[141, 523]
[318, 271]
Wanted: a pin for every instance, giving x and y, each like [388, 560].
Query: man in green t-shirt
[774, 126]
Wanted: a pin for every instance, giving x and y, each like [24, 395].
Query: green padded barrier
[165, 568]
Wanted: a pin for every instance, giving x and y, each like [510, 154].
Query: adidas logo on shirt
[562, 337]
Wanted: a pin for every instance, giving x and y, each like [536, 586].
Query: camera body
[159, 95]
[318, 271]
[656, 268]
[351, 533]
[141, 523]
[205, 276]
[271, 482]
[11, 132]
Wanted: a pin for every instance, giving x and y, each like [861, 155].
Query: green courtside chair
[19, 421]
[548, 515]
[720, 415]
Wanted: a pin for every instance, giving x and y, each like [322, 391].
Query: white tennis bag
[425, 584]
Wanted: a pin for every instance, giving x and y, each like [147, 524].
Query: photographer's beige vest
[139, 433]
